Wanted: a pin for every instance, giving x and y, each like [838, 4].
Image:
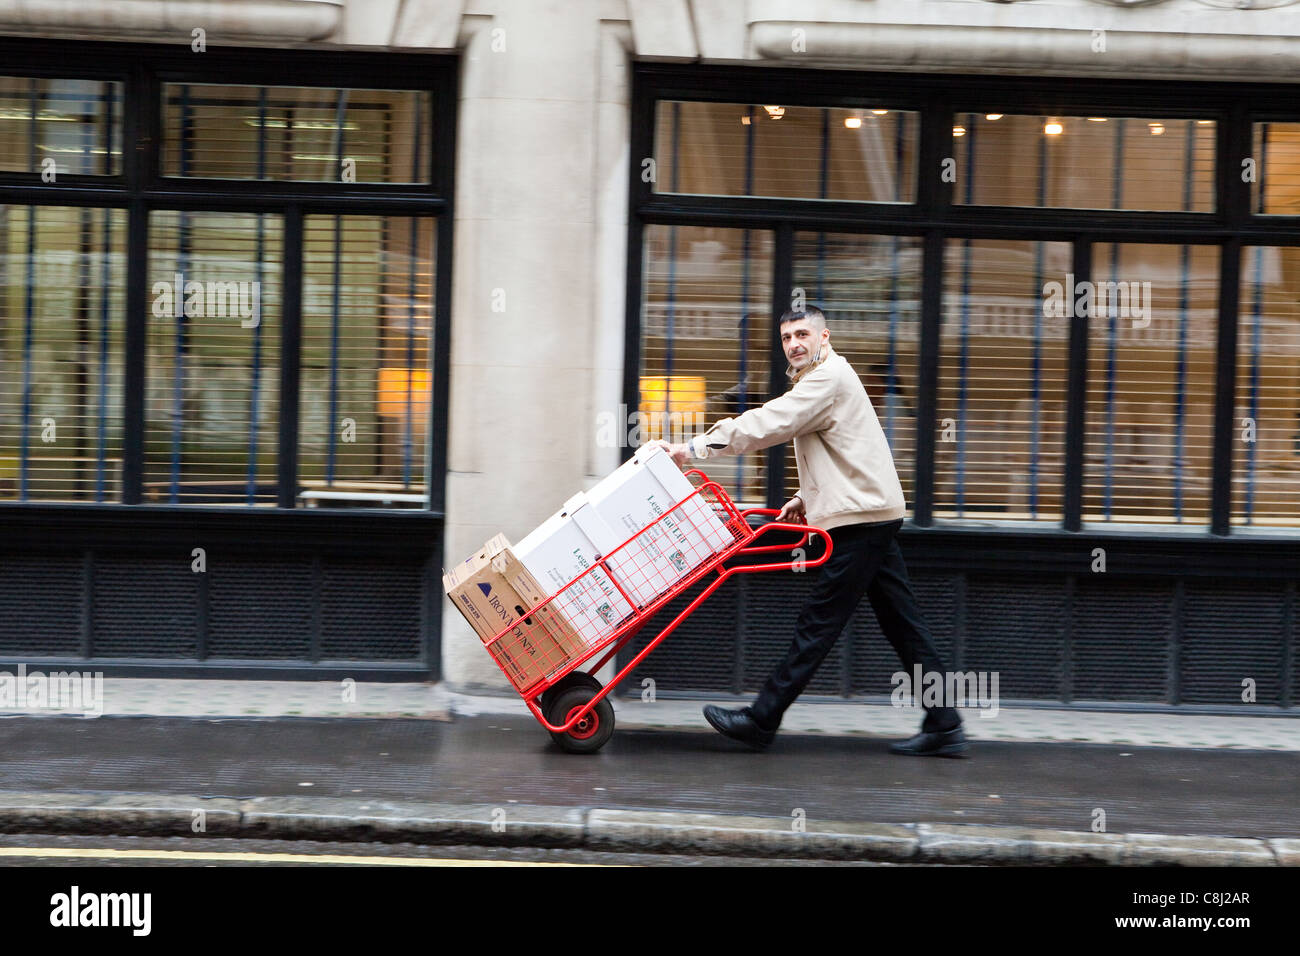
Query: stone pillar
[536, 313]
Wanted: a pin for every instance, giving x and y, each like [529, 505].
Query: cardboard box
[565, 548]
[493, 590]
[636, 500]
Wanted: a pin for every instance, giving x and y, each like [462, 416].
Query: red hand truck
[604, 607]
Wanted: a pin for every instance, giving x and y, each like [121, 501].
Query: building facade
[303, 300]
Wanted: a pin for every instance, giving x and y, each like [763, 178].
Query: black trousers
[865, 560]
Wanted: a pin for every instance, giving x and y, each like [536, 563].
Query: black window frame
[934, 217]
[140, 188]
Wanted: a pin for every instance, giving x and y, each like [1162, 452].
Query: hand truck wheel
[593, 731]
[573, 679]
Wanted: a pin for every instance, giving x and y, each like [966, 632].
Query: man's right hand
[793, 512]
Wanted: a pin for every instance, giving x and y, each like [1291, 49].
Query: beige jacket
[846, 470]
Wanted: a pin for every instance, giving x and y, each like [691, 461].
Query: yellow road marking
[82, 853]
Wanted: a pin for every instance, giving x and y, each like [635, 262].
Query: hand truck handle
[804, 531]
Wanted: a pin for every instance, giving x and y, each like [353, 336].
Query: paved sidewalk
[233, 698]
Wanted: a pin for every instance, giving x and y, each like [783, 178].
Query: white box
[563, 547]
[637, 497]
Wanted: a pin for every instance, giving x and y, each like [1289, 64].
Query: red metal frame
[737, 522]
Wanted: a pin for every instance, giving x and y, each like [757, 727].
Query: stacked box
[566, 548]
[636, 500]
[494, 591]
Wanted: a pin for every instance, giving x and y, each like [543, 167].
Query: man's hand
[793, 512]
[680, 454]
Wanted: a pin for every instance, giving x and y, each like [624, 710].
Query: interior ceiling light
[993, 116]
[959, 131]
[1053, 128]
[775, 112]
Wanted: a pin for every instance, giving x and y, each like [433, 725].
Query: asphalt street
[511, 760]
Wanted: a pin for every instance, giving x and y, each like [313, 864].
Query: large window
[59, 127]
[871, 285]
[1039, 318]
[366, 369]
[707, 342]
[1000, 442]
[277, 344]
[62, 276]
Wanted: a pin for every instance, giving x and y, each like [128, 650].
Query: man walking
[847, 485]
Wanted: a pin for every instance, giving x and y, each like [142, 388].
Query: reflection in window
[58, 127]
[705, 320]
[213, 368]
[1000, 429]
[61, 299]
[1151, 380]
[1266, 422]
[870, 289]
[367, 321]
[1084, 162]
[1276, 187]
[799, 152]
[295, 133]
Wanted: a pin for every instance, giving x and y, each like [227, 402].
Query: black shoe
[943, 743]
[738, 725]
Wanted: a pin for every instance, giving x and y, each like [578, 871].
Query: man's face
[800, 340]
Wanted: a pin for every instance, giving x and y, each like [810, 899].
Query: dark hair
[810, 312]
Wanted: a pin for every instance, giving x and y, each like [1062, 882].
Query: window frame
[140, 189]
[934, 218]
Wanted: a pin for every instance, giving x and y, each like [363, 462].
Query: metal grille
[260, 609]
[1120, 637]
[1015, 627]
[874, 661]
[370, 611]
[1231, 633]
[774, 603]
[40, 604]
[146, 607]
[701, 653]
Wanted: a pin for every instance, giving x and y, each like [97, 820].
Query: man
[848, 486]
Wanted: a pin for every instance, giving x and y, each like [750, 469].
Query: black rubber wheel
[593, 731]
[575, 679]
